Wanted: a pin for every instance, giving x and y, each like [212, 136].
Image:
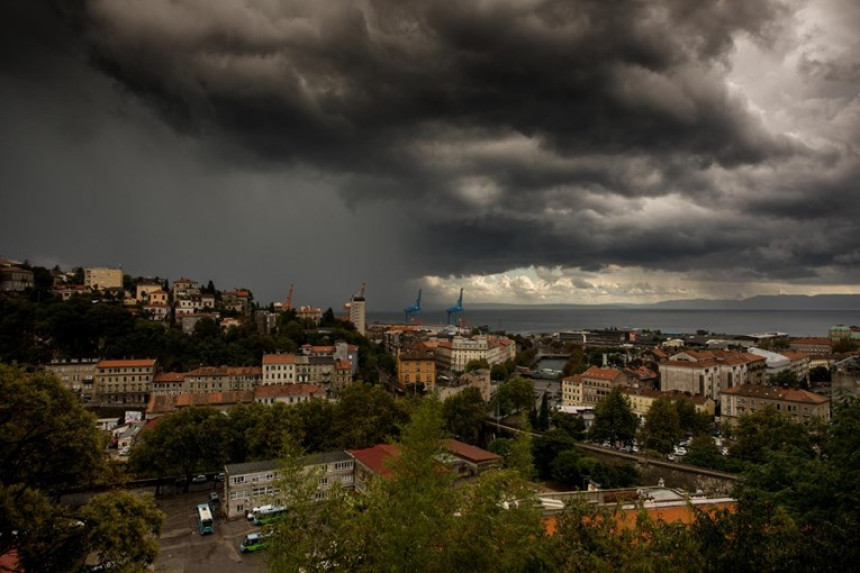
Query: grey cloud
[505, 133]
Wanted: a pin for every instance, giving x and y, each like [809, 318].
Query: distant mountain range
[765, 302]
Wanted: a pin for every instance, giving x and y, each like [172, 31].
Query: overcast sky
[580, 151]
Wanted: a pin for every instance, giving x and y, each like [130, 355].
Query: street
[184, 550]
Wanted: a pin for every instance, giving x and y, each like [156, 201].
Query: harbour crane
[456, 310]
[410, 311]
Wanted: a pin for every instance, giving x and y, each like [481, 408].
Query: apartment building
[416, 366]
[749, 398]
[453, 355]
[253, 484]
[101, 278]
[707, 372]
[288, 393]
[126, 382]
[223, 378]
[588, 388]
[641, 400]
[76, 374]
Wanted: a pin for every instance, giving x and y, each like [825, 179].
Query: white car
[201, 478]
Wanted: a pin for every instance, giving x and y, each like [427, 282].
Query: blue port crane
[456, 310]
[411, 311]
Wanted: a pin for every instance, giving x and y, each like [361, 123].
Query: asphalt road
[184, 550]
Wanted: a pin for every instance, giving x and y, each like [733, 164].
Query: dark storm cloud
[578, 133]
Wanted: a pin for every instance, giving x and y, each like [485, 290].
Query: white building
[254, 484]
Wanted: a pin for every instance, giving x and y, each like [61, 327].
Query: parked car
[201, 478]
[213, 498]
[219, 477]
[125, 451]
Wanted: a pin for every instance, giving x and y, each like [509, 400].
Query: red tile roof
[470, 453]
[374, 458]
[275, 390]
[169, 377]
[279, 359]
[601, 373]
[777, 393]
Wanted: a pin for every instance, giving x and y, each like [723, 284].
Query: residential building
[588, 388]
[66, 292]
[238, 300]
[144, 287]
[76, 374]
[184, 288]
[254, 484]
[223, 378]
[749, 398]
[609, 337]
[471, 460]
[279, 368]
[479, 379]
[416, 367]
[168, 384]
[127, 382]
[101, 278]
[454, 354]
[339, 350]
[189, 321]
[14, 278]
[310, 313]
[288, 393]
[798, 363]
[312, 369]
[707, 372]
[812, 346]
[356, 311]
[641, 400]
[846, 378]
[371, 462]
[842, 332]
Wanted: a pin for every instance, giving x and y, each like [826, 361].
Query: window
[238, 479]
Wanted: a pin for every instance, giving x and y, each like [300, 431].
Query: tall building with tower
[355, 310]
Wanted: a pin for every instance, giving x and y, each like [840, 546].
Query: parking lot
[184, 550]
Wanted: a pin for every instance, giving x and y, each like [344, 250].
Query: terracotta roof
[469, 453]
[212, 398]
[279, 359]
[226, 371]
[146, 362]
[169, 377]
[343, 364]
[777, 393]
[685, 364]
[602, 373]
[275, 390]
[374, 458]
[809, 341]
[794, 354]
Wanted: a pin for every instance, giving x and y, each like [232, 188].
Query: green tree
[49, 445]
[476, 364]
[185, 442]
[692, 422]
[614, 419]
[705, 453]
[565, 468]
[517, 393]
[788, 379]
[765, 431]
[547, 447]
[543, 414]
[464, 414]
[499, 372]
[365, 415]
[661, 430]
